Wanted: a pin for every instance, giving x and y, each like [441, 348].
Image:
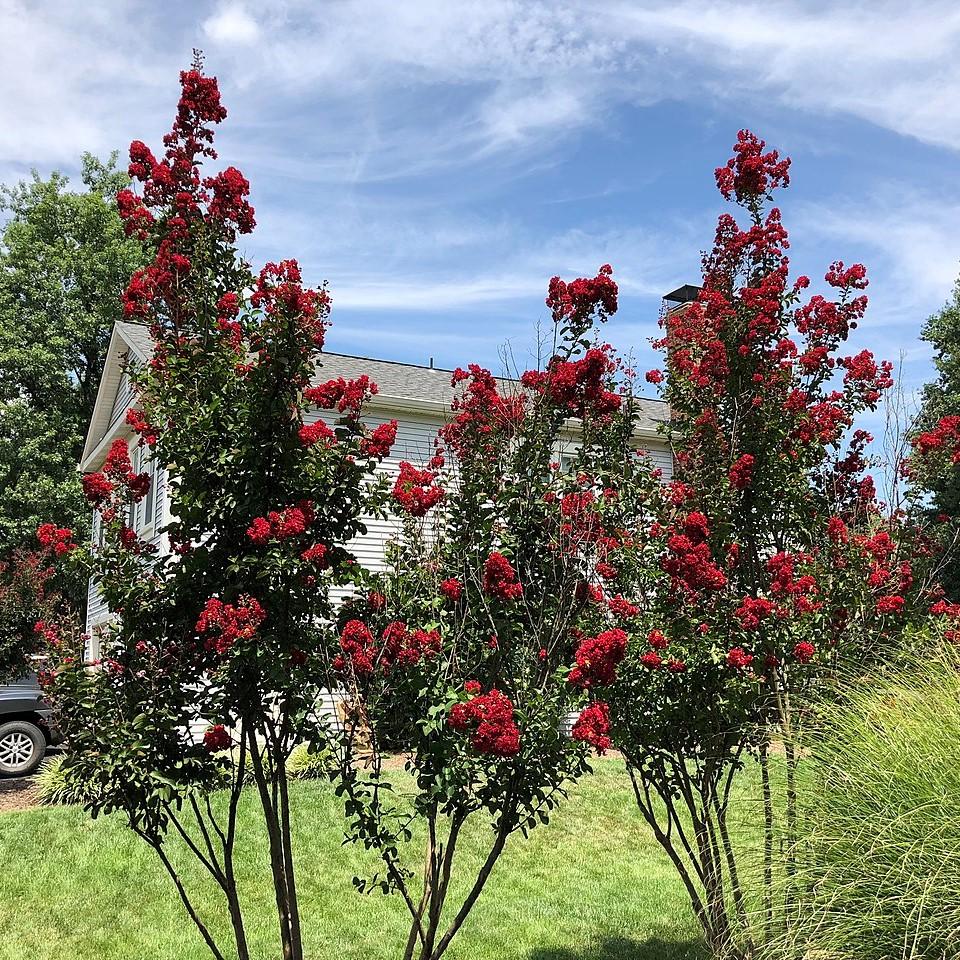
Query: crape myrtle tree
[934, 468]
[460, 650]
[763, 564]
[226, 629]
[32, 609]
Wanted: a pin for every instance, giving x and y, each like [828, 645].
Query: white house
[417, 397]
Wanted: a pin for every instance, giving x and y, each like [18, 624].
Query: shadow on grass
[623, 948]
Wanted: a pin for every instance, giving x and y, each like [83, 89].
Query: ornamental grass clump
[879, 850]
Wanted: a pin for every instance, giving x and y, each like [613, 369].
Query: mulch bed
[17, 793]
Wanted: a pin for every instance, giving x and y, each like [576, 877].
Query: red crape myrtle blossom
[500, 578]
[452, 589]
[283, 524]
[117, 472]
[223, 624]
[942, 440]
[580, 299]
[416, 491]
[398, 647]
[489, 717]
[483, 417]
[381, 440]
[347, 396]
[597, 658]
[217, 738]
[57, 539]
[593, 726]
[578, 386]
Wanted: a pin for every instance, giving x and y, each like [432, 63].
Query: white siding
[416, 434]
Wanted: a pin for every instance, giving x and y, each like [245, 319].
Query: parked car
[27, 728]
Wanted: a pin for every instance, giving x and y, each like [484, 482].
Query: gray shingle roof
[395, 380]
[138, 336]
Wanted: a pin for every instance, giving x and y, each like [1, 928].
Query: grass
[593, 885]
[880, 876]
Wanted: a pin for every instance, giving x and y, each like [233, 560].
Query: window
[146, 510]
[149, 466]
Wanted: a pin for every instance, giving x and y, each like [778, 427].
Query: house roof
[405, 386]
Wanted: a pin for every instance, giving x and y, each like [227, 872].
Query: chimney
[680, 297]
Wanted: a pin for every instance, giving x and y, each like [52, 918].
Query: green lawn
[593, 885]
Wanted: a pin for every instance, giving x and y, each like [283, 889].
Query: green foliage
[64, 261]
[56, 785]
[880, 854]
[937, 476]
[305, 763]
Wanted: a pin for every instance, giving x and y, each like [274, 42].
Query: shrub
[308, 764]
[880, 870]
[54, 787]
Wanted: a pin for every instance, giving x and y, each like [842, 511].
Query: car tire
[22, 747]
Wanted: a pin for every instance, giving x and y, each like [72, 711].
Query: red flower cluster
[837, 530]
[96, 487]
[751, 173]
[577, 386]
[500, 578]
[593, 726]
[282, 524]
[138, 422]
[58, 539]
[892, 604]
[452, 589]
[399, 646]
[865, 376]
[216, 738]
[404, 647]
[944, 437]
[482, 415]
[279, 289]
[348, 396]
[739, 659]
[689, 560]
[622, 608]
[804, 651]
[226, 623]
[490, 716]
[597, 659]
[173, 184]
[741, 473]
[317, 432]
[415, 490]
[228, 203]
[577, 301]
[318, 555]
[381, 440]
[117, 471]
[754, 610]
[849, 278]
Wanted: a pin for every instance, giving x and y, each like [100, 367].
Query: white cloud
[231, 24]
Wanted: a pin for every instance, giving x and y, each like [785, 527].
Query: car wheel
[22, 746]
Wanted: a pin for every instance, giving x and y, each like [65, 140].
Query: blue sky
[437, 162]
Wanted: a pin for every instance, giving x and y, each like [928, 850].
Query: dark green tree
[937, 474]
[64, 262]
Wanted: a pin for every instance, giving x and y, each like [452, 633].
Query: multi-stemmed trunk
[688, 817]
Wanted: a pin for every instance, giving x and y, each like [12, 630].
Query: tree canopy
[64, 262]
